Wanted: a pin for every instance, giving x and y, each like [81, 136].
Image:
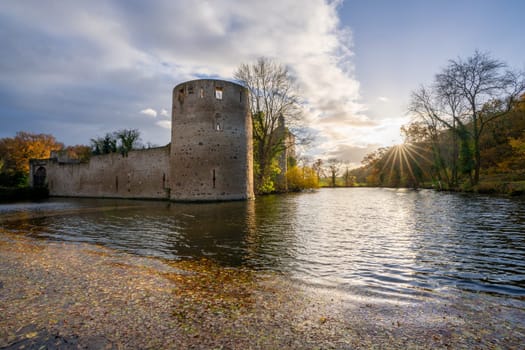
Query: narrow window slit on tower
[218, 93]
[218, 123]
[201, 93]
[213, 178]
[190, 89]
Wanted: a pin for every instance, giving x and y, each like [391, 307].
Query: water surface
[365, 241]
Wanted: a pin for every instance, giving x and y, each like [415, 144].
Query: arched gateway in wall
[39, 177]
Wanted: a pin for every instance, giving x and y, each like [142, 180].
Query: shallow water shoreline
[71, 295]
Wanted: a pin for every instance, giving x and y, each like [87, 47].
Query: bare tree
[334, 166]
[275, 105]
[467, 95]
[437, 112]
[484, 89]
[318, 168]
[348, 178]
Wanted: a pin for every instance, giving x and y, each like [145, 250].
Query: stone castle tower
[209, 158]
[211, 142]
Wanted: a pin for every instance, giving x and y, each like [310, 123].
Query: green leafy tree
[128, 139]
[122, 141]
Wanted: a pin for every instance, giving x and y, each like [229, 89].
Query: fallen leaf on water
[31, 335]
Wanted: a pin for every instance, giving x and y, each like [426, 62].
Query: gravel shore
[57, 295]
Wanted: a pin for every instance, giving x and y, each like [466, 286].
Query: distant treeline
[467, 133]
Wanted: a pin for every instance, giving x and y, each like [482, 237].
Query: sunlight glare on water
[381, 242]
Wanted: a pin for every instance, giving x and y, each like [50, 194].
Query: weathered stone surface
[211, 143]
[140, 174]
[210, 156]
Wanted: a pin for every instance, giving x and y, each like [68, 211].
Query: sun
[403, 165]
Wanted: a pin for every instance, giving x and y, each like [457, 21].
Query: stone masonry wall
[140, 174]
[211, 155]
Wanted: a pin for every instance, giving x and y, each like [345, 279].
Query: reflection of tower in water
[251, 237]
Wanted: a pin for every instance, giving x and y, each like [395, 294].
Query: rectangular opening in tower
[218, 93]
[218, 124]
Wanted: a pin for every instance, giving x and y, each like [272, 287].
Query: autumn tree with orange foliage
[79, 152]
[16, 152]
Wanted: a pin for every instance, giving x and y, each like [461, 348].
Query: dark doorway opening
[39, 178]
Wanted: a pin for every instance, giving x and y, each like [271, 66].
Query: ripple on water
[361, 240]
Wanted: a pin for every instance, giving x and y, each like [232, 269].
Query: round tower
[211, 142]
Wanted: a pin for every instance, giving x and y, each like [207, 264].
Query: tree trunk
[477, 152]
[455, 155]
[477, 160]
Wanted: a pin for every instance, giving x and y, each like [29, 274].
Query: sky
[79, 69]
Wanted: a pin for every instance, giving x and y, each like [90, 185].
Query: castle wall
[139, 174]
[211, 154]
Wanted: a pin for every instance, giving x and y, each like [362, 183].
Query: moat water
[381, 243]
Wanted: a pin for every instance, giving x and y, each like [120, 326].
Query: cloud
[383, 99]
[149, 112]
[166, 124]
[104, 61]
[351, 155]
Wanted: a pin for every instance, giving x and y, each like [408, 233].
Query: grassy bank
[485, 186]
[511, 188]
